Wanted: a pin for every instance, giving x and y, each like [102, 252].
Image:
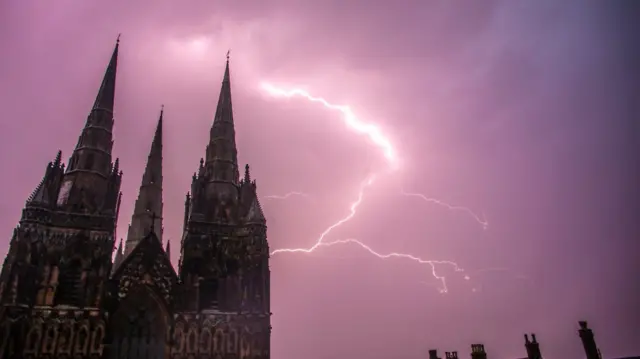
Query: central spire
[222, 155]
[147, 213]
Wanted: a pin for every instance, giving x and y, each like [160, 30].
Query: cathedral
[63, 296]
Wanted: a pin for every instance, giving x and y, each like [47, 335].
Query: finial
[247, 175]
[58, 159]
[118, 39]
[116, 166]
[228, 53]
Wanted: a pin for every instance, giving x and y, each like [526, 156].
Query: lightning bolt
[373, 132]
[352, 212]
[481, 221]
[377, 137]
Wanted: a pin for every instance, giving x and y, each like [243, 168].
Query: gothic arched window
[209, 293]
[69, 284]
[139, 327]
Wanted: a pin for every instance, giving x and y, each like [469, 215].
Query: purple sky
[519, 110]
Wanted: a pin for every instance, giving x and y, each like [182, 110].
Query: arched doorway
[139, 326]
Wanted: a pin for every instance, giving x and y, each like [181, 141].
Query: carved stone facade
[62, 296]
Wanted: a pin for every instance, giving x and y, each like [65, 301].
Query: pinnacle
[58, 159]
[247, 174]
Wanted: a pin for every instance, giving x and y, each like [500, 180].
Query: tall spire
[222, 155]
[106, 95]
[93, 151]
[147, 212]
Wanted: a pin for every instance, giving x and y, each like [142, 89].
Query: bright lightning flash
[381, 141]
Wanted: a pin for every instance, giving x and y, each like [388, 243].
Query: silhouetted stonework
[533, 347]
[62, 295]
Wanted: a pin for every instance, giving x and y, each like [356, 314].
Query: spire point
[58, 158]
[100, 115]
[222, 160]
[106, 94]
[118, 39]
[228, 54]
[159, 127]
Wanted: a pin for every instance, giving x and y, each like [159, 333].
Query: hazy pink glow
[512, 109]
[287, 195]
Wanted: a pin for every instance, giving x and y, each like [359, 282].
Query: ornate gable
[148, 265]
[255, 214]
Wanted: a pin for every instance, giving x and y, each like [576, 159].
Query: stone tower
[61, 295]
[224, 263]
[59, 259]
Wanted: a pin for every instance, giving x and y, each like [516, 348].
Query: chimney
[588, 341]
[451, 355]
[477, 352]
[433, 354]
[533, 347]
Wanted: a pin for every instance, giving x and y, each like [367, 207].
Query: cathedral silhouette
[63, 296]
